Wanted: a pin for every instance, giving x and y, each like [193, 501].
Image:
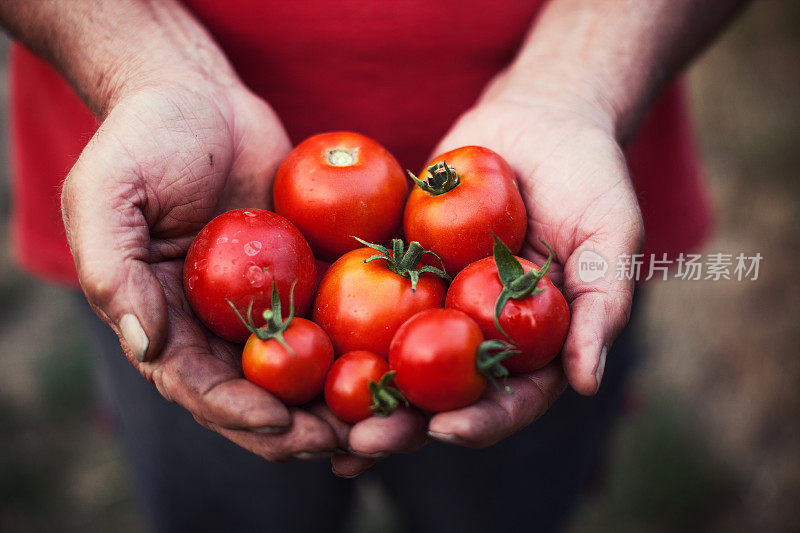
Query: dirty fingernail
[312, 455]
[134, 335]
[344, 476]
[441, 436]
[601, 366]
[376, 455]
[270, 429]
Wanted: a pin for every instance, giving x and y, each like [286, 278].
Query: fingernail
[441, 436]
[376, 455]
[337, 474]
[134, 335]
[269, 429]
[312, 455]
[601, 367]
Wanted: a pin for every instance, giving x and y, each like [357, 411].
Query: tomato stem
[442, 178]
[275, 325]
[385, 398]
[517, 284]
[488, 362]
[406, 262]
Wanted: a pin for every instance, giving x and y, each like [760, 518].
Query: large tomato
[463, 196]
[236, 257]
[533, 312]
[364, 296]
[289, 358]
[338, 184]
[441, 360]
[358, 385]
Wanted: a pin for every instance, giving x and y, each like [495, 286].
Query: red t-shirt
[385, 69]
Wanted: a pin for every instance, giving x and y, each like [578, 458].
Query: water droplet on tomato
[256, 275]
[192, 281]
[249, 214]
[222, 239]
[252, 247]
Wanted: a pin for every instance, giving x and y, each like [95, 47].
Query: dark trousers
[191, 479]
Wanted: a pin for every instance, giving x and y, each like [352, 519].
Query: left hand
[574, 180]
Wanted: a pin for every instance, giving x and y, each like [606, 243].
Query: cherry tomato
[289, 358]
[361, 304]
[537, 323]
[439, 356]
[235, 257]
[456, 205]
[357, 386]
[334, 185]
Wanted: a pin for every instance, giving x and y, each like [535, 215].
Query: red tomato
[235, 257]
[361, 304]
[334, 185]
[357, 387]
[290, 358]
[476, 193]
[537, 324]
[438, 355]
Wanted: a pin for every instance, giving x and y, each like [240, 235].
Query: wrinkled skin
[163, 163]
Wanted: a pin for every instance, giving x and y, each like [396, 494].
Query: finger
[202, 372]
[309, 437]
[350, 466]
[492, 419]
[260, 148]
[401, 432]
[340, 429]
[600, 308]
[102, 201]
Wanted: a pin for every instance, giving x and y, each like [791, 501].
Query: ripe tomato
[441, 360]
[455, 205]
[235, 257]
[289, 358]
[357, 386]
[364, 297]
[334, 185]
[537, 322]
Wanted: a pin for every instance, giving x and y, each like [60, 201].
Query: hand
[168, 158]
[578, 194]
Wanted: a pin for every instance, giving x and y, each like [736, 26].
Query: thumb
[600, 307]
[101, 203]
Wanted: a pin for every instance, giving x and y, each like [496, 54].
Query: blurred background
[711, 437]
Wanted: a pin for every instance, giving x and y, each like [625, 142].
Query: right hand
[168, 158]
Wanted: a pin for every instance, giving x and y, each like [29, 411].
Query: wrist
[568, 94]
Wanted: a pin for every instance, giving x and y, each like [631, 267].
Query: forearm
[107, 47]
[614, 54]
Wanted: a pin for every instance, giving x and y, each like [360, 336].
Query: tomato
[473, 194]
[235, 257]
[357, 386]
[364, 296]
[537, 322]
[441, 360]
[334, 185]
[289, 358]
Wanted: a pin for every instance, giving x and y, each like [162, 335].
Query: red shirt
[379, 68]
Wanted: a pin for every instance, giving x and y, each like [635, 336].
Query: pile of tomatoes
[428, 323]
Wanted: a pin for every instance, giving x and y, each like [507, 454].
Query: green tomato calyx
[385, 397]
[517, 284]
[406, 262]
[489, 362]
[274, 323]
